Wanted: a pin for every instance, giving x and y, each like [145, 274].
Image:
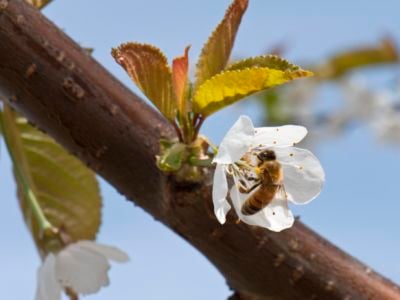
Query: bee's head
[266, 155]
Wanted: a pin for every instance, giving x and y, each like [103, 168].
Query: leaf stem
[213, 147]
[178, 131]
[71, 294]
[200, 162]
[9, 128]
[197, 127]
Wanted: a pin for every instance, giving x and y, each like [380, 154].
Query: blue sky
[358, 209]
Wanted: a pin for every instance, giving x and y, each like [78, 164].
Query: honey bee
[269, 182]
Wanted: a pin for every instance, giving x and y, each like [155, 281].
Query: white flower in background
[81, 267]
[303, 175]
[298, 99]
[387, 127]
[362, 102]
[377, 108]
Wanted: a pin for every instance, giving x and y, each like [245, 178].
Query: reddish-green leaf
[180, 66]
[148, 68]
[215, 53]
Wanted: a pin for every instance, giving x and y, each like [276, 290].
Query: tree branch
[59, 87]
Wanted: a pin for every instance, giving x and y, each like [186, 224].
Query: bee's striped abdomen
[259, 199]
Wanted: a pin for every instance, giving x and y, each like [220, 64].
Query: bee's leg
[242, 186]
[248, 190]
[243, 164]
[242, 178]
[230, 171]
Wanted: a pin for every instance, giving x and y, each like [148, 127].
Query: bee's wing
[281, 194]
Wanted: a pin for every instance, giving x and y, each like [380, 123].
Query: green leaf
[148, 68]
[273, 107]
[215, 53]
[88, 50]
[264, 61]
[383, 53]
[39, 3]
[67, 191]
[230, 86]
[172, 156]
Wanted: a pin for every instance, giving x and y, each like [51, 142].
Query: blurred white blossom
[377, 109]
[303, 174]
[387, 127]
[363, 103]
[297, 100]
[81, 267]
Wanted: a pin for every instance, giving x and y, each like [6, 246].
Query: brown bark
[59, 87]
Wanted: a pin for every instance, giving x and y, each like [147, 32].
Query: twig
[83, 107]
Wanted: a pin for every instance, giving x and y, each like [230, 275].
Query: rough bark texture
[61, 89]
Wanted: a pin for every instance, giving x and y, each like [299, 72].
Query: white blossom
[81, 267]
[387, 127]
[378, 109]
[296, 100]
[303, 174]
[363, 103]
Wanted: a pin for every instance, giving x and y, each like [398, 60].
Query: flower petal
[82, 270]
[282, 136]
[236, 142]
[303, 173]
[276, 216]
[220, 190]
[109, 252]
[48, 288]
[279, 214]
